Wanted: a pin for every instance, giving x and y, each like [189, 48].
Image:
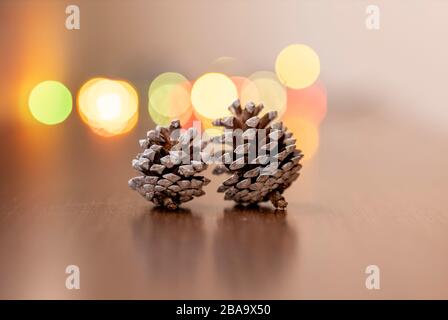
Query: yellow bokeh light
[212, 94]
[297, 66]
[264, 87]
[108, 107]
[169, 96]
[306, 133]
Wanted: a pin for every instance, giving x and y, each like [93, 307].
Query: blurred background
[369, 111]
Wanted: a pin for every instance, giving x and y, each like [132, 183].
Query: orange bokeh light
[108, 107]
[240, 82]
[309, 103]
[306, 133]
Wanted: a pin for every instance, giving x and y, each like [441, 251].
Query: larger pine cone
[169, 171]
[263, 163]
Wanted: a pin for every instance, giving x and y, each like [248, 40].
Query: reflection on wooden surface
[252, 247]
[170, 244]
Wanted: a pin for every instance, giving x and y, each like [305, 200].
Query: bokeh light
[169, 98]
[108, 107]
[306, 133]
[309, 103]
[166, 120]
[297, 66]
[212, 94]
[50, 102]
[241, 82]
[264, 87]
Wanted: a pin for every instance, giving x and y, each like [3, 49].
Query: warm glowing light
[164, 120]
[109, 107]
[191, 121]
[265, 88]
[39, 58]
[50, 102]
[309, 103]
[212, 94]
[306, 133]
[169, 98]
[241, 82]
[297, 66]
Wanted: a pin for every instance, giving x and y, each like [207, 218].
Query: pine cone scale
[262, 176]
[169, 170]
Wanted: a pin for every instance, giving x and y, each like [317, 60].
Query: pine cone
[168, 166]
[263, 160]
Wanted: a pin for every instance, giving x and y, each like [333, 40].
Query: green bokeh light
[50, 102]
[169, 95]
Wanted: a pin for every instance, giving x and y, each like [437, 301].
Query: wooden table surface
[374, 194]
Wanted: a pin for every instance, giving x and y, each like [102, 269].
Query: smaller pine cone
[262, 158]
[168, 166]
